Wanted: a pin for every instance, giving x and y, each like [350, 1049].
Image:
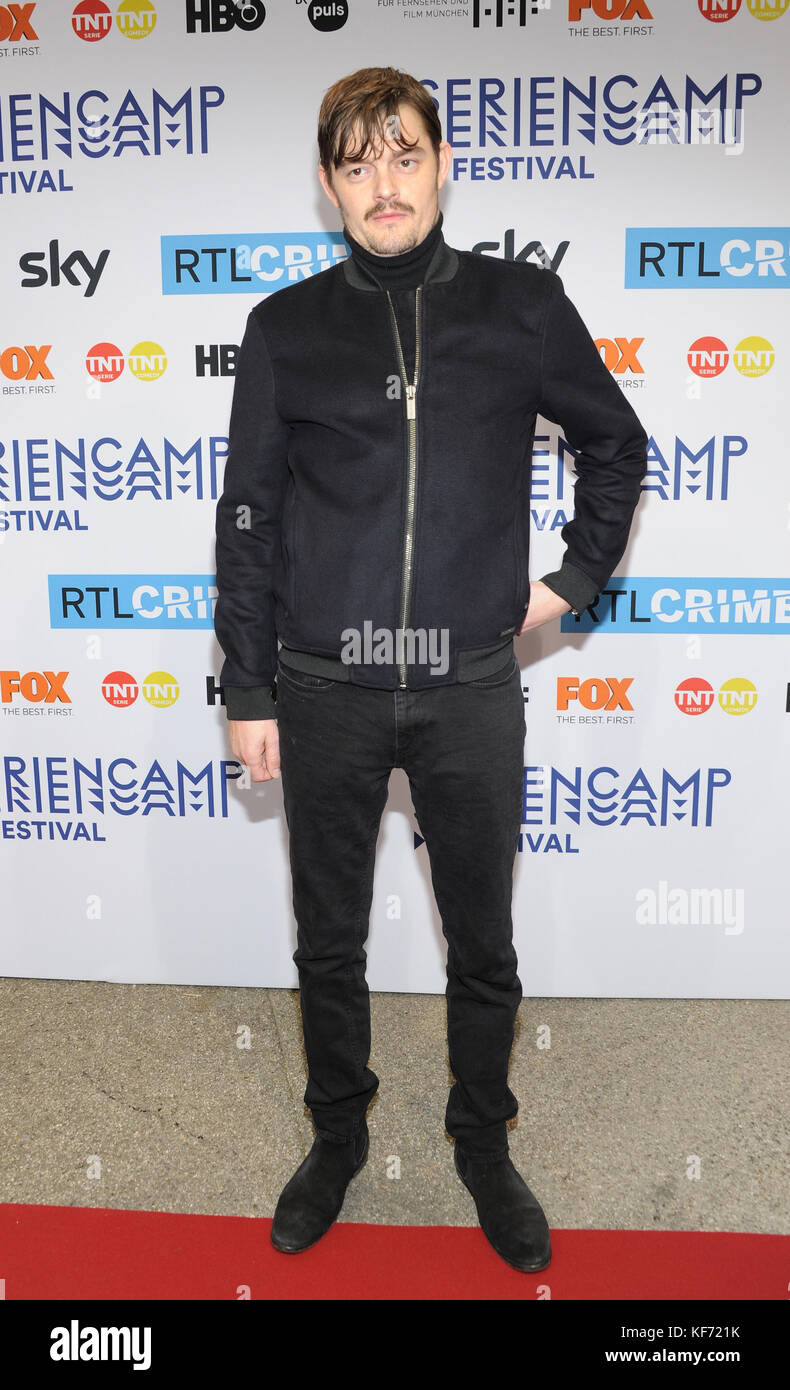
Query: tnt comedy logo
[695, 696]
[91, 20]
[722, 258]
[708, 357]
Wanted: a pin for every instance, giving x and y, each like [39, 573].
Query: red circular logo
[694, 696]
[708, 357]
[719, 11]
[104, 361]
[120, 689]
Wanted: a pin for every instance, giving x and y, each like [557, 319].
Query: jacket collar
[442, 266]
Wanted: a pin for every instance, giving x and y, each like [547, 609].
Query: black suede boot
[310, 1202]
[510, 1215]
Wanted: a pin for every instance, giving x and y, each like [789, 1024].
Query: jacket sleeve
[579, 395]
[248, 533]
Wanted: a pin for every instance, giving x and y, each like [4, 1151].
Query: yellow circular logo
[160, 689]
[737, 695]
[147, 361]
[136, 19]
[767, 9]
[753, 356]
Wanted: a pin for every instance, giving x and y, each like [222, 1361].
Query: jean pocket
[303, 680]
[496, 678]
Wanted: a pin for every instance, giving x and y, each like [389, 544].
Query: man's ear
[326, 183]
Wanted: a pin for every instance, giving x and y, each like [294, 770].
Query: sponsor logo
[711, 606]
[329, 15]
[530, 249]
[255, 263]
[120, 689]
[220, 16]
[696, 695]
[160, 689]
[132, 600]
[35, 687]
[62, 269]
[608, 10]
[147, 361]
[708, 357]
[26, 363]
[216, 359]
[91, 20]
[702, 257]
[719, 11]
[16, 23]
[596, 692]
[500, 14]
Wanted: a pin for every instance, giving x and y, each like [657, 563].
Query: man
[375, 517]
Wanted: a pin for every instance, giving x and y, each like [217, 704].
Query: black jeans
[462, 747]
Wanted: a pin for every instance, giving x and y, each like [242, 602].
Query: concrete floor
[138, 1096]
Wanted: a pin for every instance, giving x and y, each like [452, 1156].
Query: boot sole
[522, 1268]
[297, 1249]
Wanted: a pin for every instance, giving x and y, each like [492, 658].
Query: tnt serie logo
[709, 357]
[16, 23]
[221, 16]
[36, 689]
[160, 689]
[719, 11]
[91, 20]
[620, 356]
[105, 362]
[696, 695]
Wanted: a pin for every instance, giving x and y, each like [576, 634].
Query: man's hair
[366, 98]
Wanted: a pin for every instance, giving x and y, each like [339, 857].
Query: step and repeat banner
[157, 179]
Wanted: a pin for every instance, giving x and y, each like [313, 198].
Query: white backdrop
[653, 838]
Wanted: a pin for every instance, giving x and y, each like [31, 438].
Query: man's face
[390, 202]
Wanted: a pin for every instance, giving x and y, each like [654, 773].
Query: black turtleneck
[404, 271]
[399, 276]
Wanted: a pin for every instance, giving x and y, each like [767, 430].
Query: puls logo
[695, 695]
[251, 263]
[105, 362]
[132, 600]
[328, 15]
[91, 20]
[708, 357]
[719, 11]
[723, 258]
[16, 24]
[221, 16]
[40, 275]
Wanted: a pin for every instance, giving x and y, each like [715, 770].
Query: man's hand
[543, 605]
[256, 743]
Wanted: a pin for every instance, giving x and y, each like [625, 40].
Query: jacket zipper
[411, 420]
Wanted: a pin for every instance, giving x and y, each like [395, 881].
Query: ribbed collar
[404, 271]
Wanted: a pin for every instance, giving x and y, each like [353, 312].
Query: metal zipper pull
[411, 402]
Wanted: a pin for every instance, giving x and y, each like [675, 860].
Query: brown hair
[367, 97]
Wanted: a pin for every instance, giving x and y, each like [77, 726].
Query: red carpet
[87, 1253]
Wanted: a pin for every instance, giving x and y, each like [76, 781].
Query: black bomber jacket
[353, 496]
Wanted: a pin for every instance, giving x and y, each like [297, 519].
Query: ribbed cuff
[249, 702]
[572, 584]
